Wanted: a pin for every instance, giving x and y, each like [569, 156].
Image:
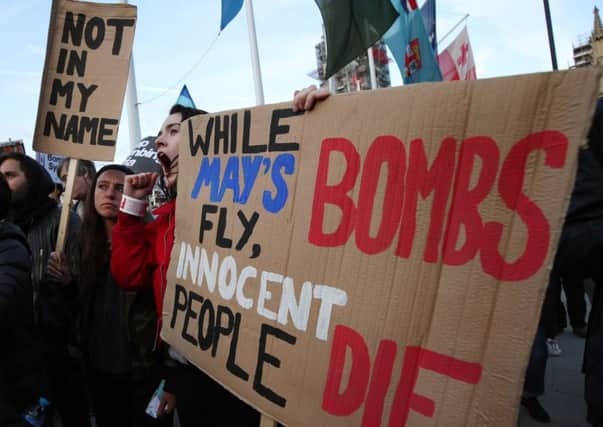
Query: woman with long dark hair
[116, 326]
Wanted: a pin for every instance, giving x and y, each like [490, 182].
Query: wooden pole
[266, 421]
[63, 224]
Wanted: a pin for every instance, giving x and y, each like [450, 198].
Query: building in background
[12, 145]
[589, 49]
[583, 52]
[356, 75]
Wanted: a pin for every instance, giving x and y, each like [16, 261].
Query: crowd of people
[81, 326]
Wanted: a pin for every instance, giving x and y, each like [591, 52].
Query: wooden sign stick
[73, 163]
[266, 421]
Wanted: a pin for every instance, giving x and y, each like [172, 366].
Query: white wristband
[133, 206]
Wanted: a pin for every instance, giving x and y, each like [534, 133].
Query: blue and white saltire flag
[408, 42]
[428, 10]
[230, 9]
[185, 98]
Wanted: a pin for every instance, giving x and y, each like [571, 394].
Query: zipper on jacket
[162, 282]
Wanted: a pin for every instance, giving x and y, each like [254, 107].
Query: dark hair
[36, 203]
[186, 112]
[35, 174]
[4, 198]
[84, 167]
[93, 241]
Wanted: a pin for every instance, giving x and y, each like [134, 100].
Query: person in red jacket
[141, 256]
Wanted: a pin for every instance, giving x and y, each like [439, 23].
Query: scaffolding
[356, 75]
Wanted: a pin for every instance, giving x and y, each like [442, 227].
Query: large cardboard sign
[381, 260]
[85, 76]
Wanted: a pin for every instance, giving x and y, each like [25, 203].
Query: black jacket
[586, 203]
[117, 326]
[21, 367]
[38, 217]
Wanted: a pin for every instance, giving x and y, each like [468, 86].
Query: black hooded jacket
[38, 217]
[586, 203]
[21, 367]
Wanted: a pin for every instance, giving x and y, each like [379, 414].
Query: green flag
[352, 26]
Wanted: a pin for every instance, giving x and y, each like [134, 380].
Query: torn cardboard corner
[85, 75]
[380, 261]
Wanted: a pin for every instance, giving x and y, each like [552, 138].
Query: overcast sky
[507, 37]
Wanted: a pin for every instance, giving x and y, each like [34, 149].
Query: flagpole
[453, 28]
[132, 103]
[549, 28]
[255, 57]
[331, 80]
[373, 73]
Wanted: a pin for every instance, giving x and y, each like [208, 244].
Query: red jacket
[140, 253]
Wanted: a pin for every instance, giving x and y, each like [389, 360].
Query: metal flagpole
[255, 57]
[453, 28]
[132, 102]
[373, 73]
[549, 28]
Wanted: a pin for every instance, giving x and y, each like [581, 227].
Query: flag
[456, 61]
[408, 5]
[380, 55]
[428, 11]
[185, 98]
[230, 9]
[408, 42]
[351, 27]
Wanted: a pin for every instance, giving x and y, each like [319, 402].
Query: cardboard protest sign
[381, 260]
[144, 157]
[85, 76]
[51, 164]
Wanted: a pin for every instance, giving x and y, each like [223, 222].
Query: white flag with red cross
[456, 61]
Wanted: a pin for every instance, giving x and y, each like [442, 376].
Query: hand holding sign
[305, 99]
[58, 269]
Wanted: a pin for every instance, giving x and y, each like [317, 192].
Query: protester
[582, 251]
[86, 172]
[21, 374]
[116, 326]
[533, 386]
[140, 256]
[578, 257]
[38, 217]
[576, 306]
[576, 310]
